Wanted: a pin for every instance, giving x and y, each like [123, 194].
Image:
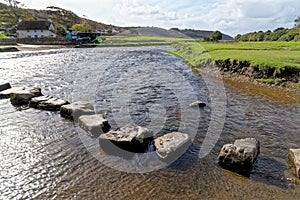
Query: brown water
[43, 156]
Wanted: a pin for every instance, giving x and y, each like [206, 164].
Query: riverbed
[44, 156]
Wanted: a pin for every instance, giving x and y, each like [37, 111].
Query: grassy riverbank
[275, 54]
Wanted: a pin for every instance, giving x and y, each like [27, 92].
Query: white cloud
[229, 16]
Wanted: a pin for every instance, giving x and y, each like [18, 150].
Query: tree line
[279, 34]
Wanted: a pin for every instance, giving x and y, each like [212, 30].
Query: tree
[216, 36]
[61, 31]
[81, 28]
[260, 36]
[297, 21]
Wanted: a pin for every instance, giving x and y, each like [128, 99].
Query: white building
[35, 29]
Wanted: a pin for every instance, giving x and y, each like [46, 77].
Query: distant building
[35, 29]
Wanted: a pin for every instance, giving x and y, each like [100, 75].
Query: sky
[228, 16]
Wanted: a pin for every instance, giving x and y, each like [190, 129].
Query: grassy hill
[60, 18]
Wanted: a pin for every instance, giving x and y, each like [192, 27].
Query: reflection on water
[42, 156]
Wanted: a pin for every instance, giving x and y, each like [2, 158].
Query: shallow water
[43, 156]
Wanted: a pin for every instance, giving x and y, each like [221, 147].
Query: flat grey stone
[171, 145]
[198, 104]
[4, 86]
[294, 157]
[77, 109]
[21, 95]
[133, 139]
[95, 124]
[34, 102]
[52, 104]
[240, 156]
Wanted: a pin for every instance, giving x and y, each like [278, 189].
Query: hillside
[174, 32]
[199, 34]
[60, 18]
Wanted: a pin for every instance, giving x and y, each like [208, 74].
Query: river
[44, 156]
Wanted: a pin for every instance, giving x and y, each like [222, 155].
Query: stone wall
[8, 41]
[45, 41]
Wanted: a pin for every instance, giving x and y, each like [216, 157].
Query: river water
[43, 156]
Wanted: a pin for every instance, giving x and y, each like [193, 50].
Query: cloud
[238, 16]
[229, 16]
[143, 11]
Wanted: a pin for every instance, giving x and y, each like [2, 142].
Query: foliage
[2, 35]
[61, 31]
[297, 21]
[81, 28]
[214, 37]
[279, 34]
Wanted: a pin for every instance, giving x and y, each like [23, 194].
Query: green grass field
[275, 54]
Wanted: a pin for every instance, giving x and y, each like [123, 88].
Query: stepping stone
[4, 86]
[240, 156]
[172, 145]
[133, 139]
[294, 157]
[95, 124]
[21, 96]
[52, 104]
[198, 104]
[77, 109]
[34, 102]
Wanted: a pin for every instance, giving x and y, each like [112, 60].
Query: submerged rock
[22, 96]
[4, 86]
[294, 157]
[240, 156]
[198, 104]
[95, 124]
[77, 109]
[134, 139]
[48, 103]
[172, 145]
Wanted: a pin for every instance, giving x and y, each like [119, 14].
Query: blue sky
[228, 16]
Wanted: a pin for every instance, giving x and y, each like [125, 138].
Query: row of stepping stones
[241, 156]
[134, 139]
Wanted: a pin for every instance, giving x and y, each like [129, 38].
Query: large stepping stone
[240, 156]
[47, 103]
[77, 109]
[53, 104]
[294, 157]
[21, 96]
[133, 139]
[4, 86]
[34, 102]
[172, 145]
[95, 124]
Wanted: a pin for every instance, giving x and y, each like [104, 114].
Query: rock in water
[4, 86]
[198, 104]
[34, 102]
[294, 157]
[172, 145]
[240, 156]
[133, 139]
[52, 104]
[22, 96]
[77, 109]
[95, 125]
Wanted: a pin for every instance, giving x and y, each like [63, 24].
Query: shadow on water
[188, 159]
[269, 171]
